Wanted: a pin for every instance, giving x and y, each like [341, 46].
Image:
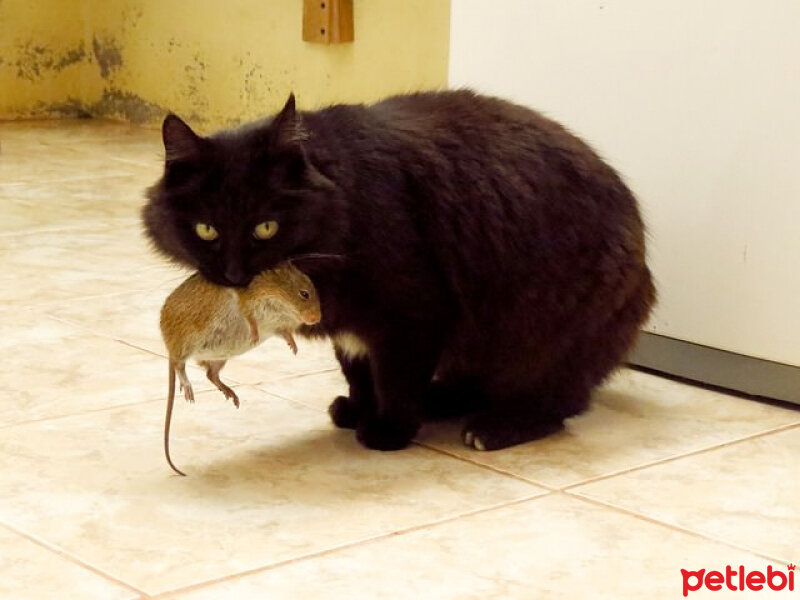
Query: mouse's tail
[171, 379]
[168, 418]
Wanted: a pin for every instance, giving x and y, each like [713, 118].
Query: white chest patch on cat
[350, 345]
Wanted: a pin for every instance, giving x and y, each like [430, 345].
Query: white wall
[697, 104]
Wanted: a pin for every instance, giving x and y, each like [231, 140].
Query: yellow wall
[215, 63]
[44, 57]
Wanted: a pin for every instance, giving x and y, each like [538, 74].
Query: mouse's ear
[180, 142]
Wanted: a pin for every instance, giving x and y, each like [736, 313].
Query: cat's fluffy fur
[488, 260]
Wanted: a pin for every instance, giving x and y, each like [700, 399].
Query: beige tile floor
[656, 477]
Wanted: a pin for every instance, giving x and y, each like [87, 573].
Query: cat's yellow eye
[265, 230]
[206, 232]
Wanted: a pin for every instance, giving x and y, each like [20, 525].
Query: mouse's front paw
[381, 433]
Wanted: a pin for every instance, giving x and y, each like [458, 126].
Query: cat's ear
[287, 137]
[180, 142]
[287, 127]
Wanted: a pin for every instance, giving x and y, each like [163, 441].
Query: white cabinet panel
[697, 104]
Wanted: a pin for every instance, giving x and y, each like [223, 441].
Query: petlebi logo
[739, 579]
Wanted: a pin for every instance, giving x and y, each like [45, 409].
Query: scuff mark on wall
[255, 90]
[128, 106]
[107, 54]
[35, 61]
[195, 83]
[214, 64]
[71, 108]
[172, 44]
[113, 104]
[70, 57]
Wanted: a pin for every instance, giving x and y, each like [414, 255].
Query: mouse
[210, 323]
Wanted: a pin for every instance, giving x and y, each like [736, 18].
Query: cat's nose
[235, 276]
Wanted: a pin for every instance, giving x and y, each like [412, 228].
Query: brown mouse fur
[212, 323]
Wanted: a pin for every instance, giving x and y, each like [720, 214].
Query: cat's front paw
[386, 434]
[344, 412]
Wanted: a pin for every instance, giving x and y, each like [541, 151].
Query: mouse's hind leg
[186, 385]
[213, 367]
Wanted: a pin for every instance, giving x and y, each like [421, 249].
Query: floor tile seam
[38, 181]
[68, 556]
[74, 144]
[50, 303]
[676, 457]
[131, 292]
[150, 400]
[156, 163]
[235, 381]
[68, 226]
[488, 467]
[673, 526]
[435, 449]
[87, 412]
[99, 333]
[231, 379]
[40, 230]
[121, 405]
[96, 332]
[403, 531]
[163, 355]
[282, 379]
[155, 139]
[294, 401]
[427, 446]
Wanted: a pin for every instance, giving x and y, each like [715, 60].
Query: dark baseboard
[718, 368]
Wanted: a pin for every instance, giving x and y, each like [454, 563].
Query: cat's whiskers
[315, 255]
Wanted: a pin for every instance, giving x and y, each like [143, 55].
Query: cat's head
[240, 202]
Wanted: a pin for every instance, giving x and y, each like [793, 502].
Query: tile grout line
[639, 467]
[47, 181]
[42, 306]
[671, 526]
[257, 385]
[361, 542]
[289, 378]
[491, 468]
[97, 333]
[569, 486]
[91, 411]
[235, 380]
[565, 490]
[669, 459]
[419, 444]
[73, 559]
[87, 329]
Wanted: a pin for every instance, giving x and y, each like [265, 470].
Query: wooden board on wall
[328, 21]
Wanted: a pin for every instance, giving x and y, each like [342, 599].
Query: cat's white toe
[473, 441]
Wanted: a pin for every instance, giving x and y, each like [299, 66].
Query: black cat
[480, 257]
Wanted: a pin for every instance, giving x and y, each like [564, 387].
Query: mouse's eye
[305, 294]
[206, 232]
[265, 230]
